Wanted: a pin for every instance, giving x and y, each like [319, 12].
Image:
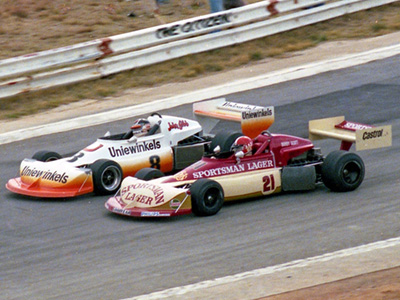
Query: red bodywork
[278, 148]
[270, 151]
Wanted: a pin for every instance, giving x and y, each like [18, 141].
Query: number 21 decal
[268, 183]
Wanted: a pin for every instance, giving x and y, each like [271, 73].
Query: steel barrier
[103, 57]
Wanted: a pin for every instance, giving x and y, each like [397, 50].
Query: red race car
[257, 163]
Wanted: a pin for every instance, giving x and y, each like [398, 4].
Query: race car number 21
[268, 183]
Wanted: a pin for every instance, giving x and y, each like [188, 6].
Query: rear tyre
[107, 176]
[342, 171]
[224, 140]
[207, 197]
[45, 156]
[148, 174]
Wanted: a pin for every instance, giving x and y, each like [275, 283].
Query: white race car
[164, 142]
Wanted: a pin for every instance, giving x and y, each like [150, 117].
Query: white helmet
[140, 127]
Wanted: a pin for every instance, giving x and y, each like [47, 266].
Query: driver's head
[242, 144]
[140, 127]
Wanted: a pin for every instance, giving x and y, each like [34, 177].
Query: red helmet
[244, 144]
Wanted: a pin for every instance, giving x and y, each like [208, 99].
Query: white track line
[189, 291]
[207, 93]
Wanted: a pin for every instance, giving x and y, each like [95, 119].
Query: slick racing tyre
[207, 197]
[45, 156]
[148, 174]
[224, 140]
[342, 171]
[107, 176]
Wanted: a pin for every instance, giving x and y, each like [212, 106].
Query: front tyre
[148, 174]
[46, 156]
[207, 197]
[107, 176]
[342, 171]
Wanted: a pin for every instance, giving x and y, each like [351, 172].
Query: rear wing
[254, 119]
[364, 136]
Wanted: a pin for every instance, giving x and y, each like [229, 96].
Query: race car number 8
[155, 162]
[269, 183]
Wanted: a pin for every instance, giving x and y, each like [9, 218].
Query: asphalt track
[75, 249]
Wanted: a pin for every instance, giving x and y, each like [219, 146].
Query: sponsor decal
[121, 211]
[238, 106]
[153, 214]
[193, 26]
[375, 137]
[352, 126]
[179, 125]
[156, 195]
[289, 143]
[249, 166]
[137, 148]
[373, 134]
[256, 113]
[174, 203]
[264, 164]
[181, 175]
[46, 175]
[219, 171]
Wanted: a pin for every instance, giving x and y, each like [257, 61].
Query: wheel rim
[111, 178]
[52, 158]
[211, 197]
[351, 172]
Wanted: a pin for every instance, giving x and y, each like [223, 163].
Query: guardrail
[103, 57]
[147, 37]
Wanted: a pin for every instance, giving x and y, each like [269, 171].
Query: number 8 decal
[155, 162]
[269, 183]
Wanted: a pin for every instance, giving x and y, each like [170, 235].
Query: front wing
[35, 190]
[115, 205]
[140, 198]
[45, 180]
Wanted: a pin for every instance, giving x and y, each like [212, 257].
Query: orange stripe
[219, 115]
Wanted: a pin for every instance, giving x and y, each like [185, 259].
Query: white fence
[103, 57]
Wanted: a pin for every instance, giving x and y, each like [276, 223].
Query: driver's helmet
[244, 144]
[140, 127]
